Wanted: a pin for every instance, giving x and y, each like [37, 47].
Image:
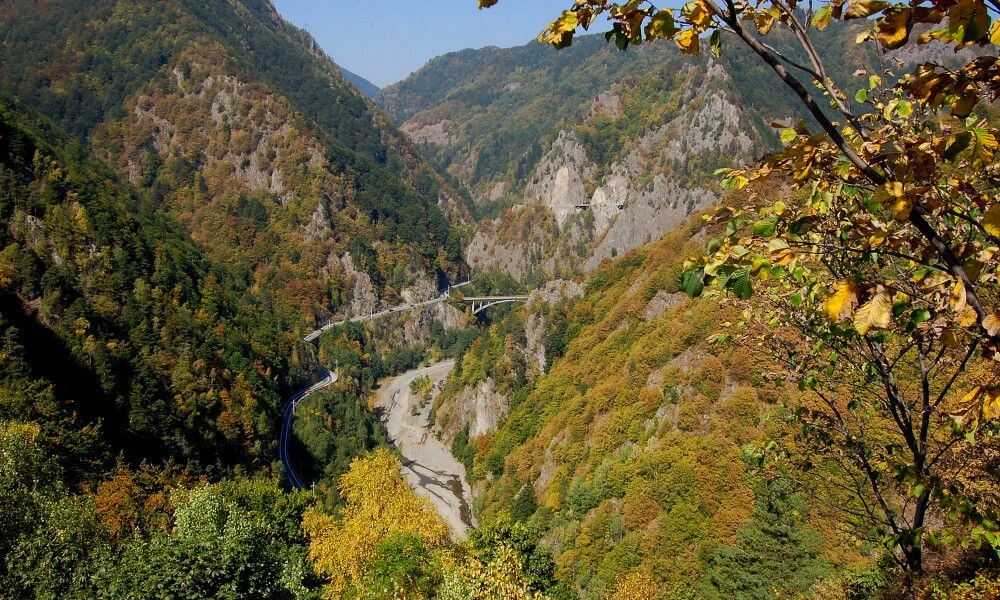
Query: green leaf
[765, 227]
[739, 284]
[693, 282]
[822, 17]
[716, 42]
[788, 135]
[861, 95]
[714, 244]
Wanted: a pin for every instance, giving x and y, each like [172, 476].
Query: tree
[775, 556]
[879, 285]
[380, 506]
[216, 549]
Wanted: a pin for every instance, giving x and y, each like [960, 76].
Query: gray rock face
[432, 133]
[555, 291]
[534, 334]
[652, 187]
[661, 303]
[561, 179]
[364, 299]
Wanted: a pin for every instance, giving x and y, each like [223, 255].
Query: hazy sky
[386, 40]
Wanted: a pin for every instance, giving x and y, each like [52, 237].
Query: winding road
[428, 464]
[286, 427]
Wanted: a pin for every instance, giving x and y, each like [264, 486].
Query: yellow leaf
[991, 220]
[958, 297]
[688, 41]
[698, 14]
[901, 209]
[560, 32]
[888, 191]
[841, 304]
[968, 317]
[992, 324]
[893, 29]
[864, 8]
[874, 314]
[995, 33]
[822, 17]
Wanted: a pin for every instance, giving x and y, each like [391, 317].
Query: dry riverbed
[427, 463]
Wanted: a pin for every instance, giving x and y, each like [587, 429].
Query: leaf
[822, 17]
[901, 209]
[957, 144]
[841, 304]
[560, 32]
[788, 135]
[893, 30]
[688, 42]
[693, 282]
[959, 298]
[661, 25]
[992, 324]
[874, 314]
[991, 220]
[765, 227]
[861, 95]
[739, 284]
[716, 41]
[764, 20]
[995, 33]
[968, 317]
[698, 13]
[962, 106]
[864, 9]
[968, 20]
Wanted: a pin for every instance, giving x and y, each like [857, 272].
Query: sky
[386, 40]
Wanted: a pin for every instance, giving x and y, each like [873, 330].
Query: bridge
[479, 304]
[576, 207]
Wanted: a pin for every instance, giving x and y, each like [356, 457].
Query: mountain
[603, 416]
[247, 134]
[364, 86]
[121, 338]
[574, 156]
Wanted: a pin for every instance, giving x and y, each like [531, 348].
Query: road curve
[428, 464]
[288, 418]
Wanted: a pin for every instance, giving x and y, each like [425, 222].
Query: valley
[700, 303]
[430, 468]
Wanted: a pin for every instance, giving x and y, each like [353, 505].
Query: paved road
[397, 309]
[286, 427]
[428, 465]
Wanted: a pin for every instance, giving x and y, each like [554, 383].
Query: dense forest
[230, 115]
[752, 253]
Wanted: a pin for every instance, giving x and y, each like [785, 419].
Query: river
[428, 464]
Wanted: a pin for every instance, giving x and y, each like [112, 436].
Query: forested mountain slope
[121, 339]
[619, 421]
[635, 135]
[249, 135]
[141, 387]
[364, 86]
